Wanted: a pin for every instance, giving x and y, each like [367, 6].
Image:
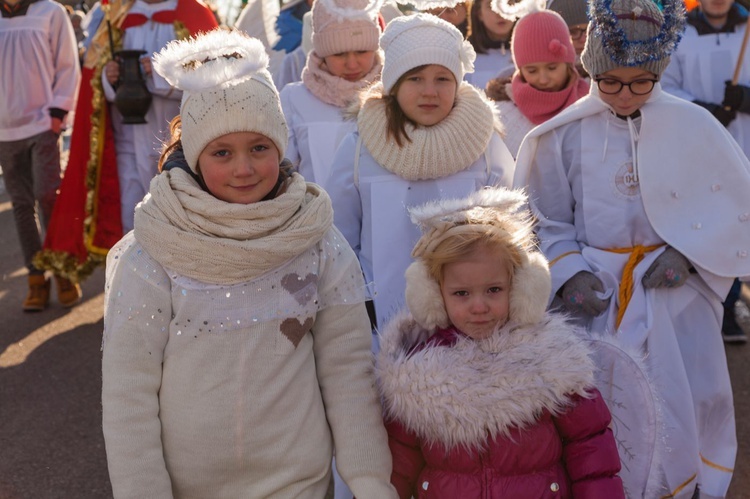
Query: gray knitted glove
[669, 270]
[579, 294]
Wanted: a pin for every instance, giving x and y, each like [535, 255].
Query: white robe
[597, 183]
[138, 146]
[315, 131]
[371, 212]
[699, 67]
[39, 68]
[488, 66]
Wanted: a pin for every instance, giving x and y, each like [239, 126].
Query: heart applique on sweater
[303, 290]
[294, 330]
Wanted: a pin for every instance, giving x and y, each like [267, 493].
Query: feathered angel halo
[218, 58]
[369, 11]
[516, 10]
[497, 207]
[430, 4]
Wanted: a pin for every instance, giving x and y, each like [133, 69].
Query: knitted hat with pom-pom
[345, 26]
[541, 36]
[226, 88]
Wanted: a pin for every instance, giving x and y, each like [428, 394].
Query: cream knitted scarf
[436, 151]
[188, 230]
[333, 89]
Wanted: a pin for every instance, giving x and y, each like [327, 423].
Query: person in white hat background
[710, 68]
[212, 383]
[506, 404]
[345, 59]
[422, 134]
[545, 81]
[644, 232]
[575, 16]
[490, 34]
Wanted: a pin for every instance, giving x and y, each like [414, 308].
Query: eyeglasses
[611, 86]
[576, 33]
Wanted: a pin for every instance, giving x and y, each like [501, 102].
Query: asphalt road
[51, 444]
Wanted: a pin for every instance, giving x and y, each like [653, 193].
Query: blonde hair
[459, 246]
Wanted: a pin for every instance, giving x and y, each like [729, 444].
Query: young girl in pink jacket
[485, 393]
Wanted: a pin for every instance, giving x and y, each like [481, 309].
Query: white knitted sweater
[240, 390]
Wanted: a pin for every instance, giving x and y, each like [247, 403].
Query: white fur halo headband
[352, 13]
[218, 58]
[430, 4]
[518, 9]
[496, 206]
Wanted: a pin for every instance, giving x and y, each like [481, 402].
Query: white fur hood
[458, 395]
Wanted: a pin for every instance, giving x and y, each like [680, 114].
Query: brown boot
[38, 296]
[68, 292]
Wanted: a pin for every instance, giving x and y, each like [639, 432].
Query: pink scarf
[540, 106]
[333, 89]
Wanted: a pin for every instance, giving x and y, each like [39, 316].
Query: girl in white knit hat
[236, 352]
[486, 394]
[345, 59]
[545, 81]
[645, 231]
[422, 134]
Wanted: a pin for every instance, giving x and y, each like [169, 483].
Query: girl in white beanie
[486, 394]
[344, 60]
[213, 385]
[422, 134]
[645, 231]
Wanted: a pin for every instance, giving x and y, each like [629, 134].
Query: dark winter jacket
[513, 416]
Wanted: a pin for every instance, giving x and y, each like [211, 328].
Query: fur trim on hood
[499, 89]
[458, 396]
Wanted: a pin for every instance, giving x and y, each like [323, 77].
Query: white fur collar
[459, 396]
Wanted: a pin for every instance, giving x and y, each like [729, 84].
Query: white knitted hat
[226, 88]
[345, 26]
[489, 209]
[417, 40]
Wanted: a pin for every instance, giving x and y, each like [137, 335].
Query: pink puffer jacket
[510, 417]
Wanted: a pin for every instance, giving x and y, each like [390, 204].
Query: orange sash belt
[626, 283]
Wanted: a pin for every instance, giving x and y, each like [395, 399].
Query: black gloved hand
[736, 97]
[725, 116]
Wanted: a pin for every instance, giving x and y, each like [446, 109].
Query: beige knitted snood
[436, 151]
[189, 231]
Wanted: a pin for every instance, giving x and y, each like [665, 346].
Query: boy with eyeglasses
[574, 14]
[701, 71]
[645, 228]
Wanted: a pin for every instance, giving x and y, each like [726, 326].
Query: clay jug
[132, 97]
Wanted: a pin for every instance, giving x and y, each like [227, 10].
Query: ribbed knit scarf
[448, 147]
[188, 230]
[332, 89]
[539, 106]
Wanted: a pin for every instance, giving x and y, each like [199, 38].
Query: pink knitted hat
[345, 26]
[541, 36]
